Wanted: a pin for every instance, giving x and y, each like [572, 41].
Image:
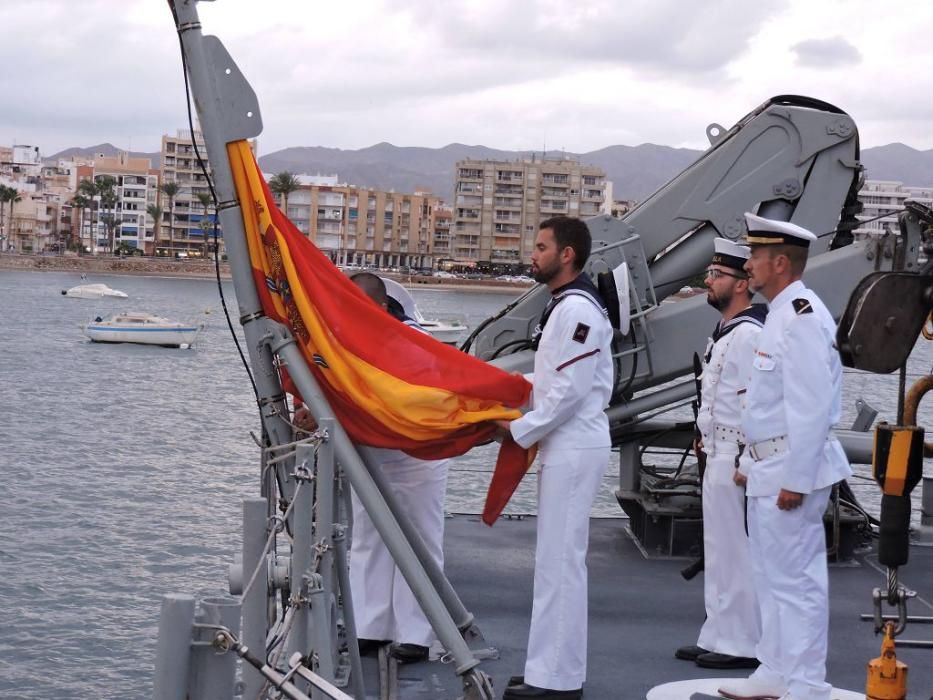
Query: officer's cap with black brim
[730, 254]
[763, 231]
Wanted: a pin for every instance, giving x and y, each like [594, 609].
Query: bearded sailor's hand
[502, 429]
[739, 479]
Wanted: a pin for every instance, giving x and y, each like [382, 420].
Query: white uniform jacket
[795, 396]
[724, 381]
[572, 380]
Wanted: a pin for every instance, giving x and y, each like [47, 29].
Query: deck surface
[640, 611]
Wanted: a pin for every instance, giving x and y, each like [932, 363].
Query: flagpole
[229, 111]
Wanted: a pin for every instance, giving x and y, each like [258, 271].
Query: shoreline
[204, 269]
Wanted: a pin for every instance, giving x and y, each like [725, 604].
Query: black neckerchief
[581, 286]
[756, 313]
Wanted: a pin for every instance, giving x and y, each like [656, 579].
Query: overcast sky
[577, 75]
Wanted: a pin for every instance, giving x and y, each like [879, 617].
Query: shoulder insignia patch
[802, 306]
[581, 332]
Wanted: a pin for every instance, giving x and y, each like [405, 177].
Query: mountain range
[635, 171]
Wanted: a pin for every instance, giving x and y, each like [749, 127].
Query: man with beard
[793, 401]
[572, 384]
[731, 631]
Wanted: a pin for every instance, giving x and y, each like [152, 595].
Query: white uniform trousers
[383, 603]
[568, 482]
[733, 624]
[789, 560]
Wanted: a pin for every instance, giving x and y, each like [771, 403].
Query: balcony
[548, 205]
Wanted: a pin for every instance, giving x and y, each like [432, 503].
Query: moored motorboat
[143, 328]
[93, 291]
[449, 332]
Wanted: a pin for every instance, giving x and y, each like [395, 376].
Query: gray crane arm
[792, 158]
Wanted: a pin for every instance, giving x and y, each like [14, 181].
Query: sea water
[124, 466]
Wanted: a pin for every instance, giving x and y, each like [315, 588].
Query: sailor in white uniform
[384, 606]
[732, 628]
[793, 401]
[572, 384]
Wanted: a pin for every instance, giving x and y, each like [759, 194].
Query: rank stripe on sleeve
[577, 359]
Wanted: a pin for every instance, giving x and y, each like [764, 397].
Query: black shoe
[516, 680]
[516, 692]
[408, 653]
[713, 660]
[368, 647]
[690, 653]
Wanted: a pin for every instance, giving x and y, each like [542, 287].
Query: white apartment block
[499, 204]
[186, 226]
[885, 198]
[136, 186]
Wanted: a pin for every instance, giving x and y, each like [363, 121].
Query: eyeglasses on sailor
[714, 274]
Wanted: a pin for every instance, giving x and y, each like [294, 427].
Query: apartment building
[499, 204]
[34, 223]
[443, 216]
[885, 199]
[136, 188]
[360, 226]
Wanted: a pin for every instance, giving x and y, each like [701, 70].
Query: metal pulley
[887, 677]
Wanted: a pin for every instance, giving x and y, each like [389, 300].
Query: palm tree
[88, 189]
[206, 202]
[155, 211]
[170, 190]
[284, 184]
[106, 189]
[11, 195]
[102, 190]
[80, 202]
[3, 196]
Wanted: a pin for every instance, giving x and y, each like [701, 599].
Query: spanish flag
[389, 385]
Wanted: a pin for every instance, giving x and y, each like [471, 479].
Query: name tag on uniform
[763, 361]
[581, 332]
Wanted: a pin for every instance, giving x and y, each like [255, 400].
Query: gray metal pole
[213, 674]
[174, 647]
[255, 615]
[385, 522]
[324, 538]
[302, 543]
[228, 111]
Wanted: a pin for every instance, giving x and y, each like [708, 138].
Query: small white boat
[142, 328]
[449, 332]
[93, 291]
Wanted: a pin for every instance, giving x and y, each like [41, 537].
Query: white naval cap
[763, 231]
[730, 254]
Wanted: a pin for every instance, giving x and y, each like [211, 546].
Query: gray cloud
[664, 36]
[826, 53]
